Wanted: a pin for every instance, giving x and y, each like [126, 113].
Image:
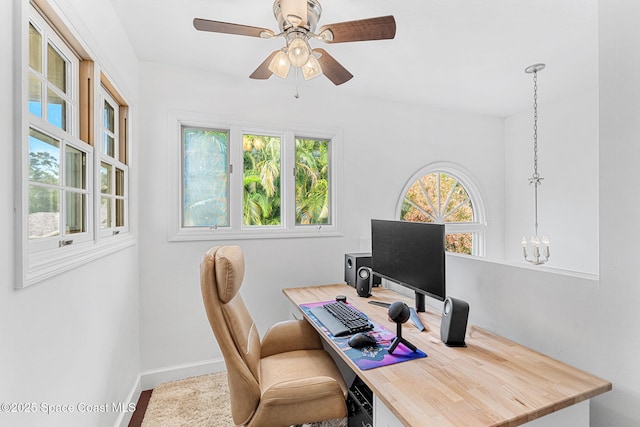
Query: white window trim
[478, 228]
[236, 230]
[35, 267]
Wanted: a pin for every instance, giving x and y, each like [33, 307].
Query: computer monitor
[411, 254]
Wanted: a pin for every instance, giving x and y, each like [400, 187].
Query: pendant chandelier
[535, 250]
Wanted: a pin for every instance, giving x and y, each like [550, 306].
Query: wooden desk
[492, 382]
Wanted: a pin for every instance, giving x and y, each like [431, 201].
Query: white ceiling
[467, 55]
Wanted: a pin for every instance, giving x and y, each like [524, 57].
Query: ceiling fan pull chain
[297, 95]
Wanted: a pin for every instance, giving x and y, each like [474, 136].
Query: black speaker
[454, 322]
[364, 282]
[352, 262]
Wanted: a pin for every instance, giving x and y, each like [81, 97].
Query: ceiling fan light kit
[297, 20]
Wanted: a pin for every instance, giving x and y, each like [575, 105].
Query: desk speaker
[453, 326]
[352, 262]
[364, 281]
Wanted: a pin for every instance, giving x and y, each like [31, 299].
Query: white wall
[588, 321]
[619, 210]
[74, 338]
[384, 144]
[568, 162]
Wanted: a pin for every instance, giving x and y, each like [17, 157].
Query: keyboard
[340, 319]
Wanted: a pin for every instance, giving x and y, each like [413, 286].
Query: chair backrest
[221, 275]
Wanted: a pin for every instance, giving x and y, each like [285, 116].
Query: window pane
[105, 178]
[44, 212]
[108, 145]
[205, 178]
[35, 96]
[119, 182]
[75, 168]
[461, 243]
[105, 213]
[56, 69]
[44, 158]
[120, 218]
[261, 178]
[35, 49]
[109, 117]
[312, 181]
[108, 141]
[56, 110]
[418, 202]
[75, 213]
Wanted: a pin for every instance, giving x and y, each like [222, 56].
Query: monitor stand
[420, 307]
[420, 304]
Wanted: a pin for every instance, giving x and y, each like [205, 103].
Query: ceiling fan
[297, 20]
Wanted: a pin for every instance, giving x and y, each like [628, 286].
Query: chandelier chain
[535, 125]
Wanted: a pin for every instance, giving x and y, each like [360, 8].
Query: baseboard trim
[125, 416]
[152, 378]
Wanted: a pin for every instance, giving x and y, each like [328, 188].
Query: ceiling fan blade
[383, 27]
[332, 68]
[263, 72]
[227, 28]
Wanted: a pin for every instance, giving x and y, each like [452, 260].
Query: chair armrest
[289, 335]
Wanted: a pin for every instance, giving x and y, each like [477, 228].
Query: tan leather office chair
[284, 380]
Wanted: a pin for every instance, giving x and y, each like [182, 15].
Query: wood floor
[141, 408]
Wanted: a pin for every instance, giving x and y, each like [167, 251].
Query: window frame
[476, 228]
[237, 230]
[38, 261]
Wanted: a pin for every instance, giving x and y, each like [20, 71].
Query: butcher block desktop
[491, 382]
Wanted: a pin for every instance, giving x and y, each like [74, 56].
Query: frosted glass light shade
[311, 68]
[280, 65]
[298, 52]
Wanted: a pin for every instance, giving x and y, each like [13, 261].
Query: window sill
[184, 235]
[46, 264]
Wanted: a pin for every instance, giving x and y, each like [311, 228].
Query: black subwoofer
[352, 262]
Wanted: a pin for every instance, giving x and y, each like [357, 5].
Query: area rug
[198, 402]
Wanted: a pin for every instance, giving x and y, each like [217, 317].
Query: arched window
[444, 194]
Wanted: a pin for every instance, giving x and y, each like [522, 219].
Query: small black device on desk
[362, 340]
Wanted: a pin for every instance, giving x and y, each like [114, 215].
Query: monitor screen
[411, 254]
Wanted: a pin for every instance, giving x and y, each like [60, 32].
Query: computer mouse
[361, 340]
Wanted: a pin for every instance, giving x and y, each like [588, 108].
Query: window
[72, 166]
[58, 176]
[445, 195]
[205, 177]
[237, 181]
[113, 168]
[312, 181]
[261, 180]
